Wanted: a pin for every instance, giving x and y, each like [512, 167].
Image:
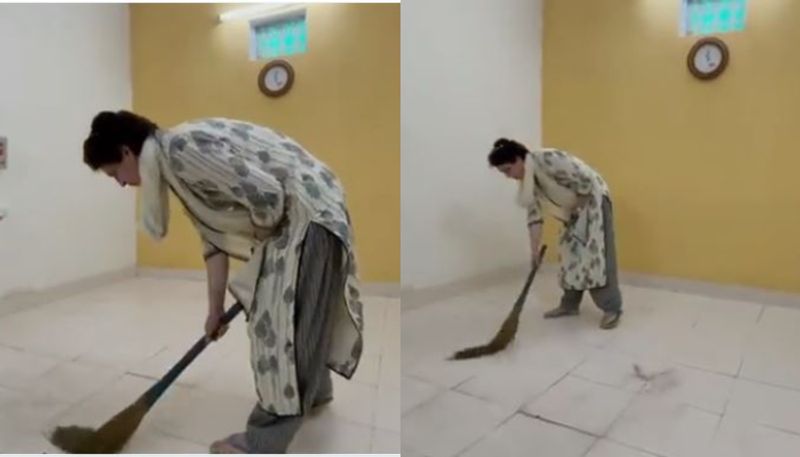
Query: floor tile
[450, 423]
[665, 428]
[524, 436]
[584, 405]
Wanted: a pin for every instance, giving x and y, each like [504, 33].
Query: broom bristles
[110, 438]
[500, 341]
[508, 330]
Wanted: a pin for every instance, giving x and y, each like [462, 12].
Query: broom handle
[155, 392]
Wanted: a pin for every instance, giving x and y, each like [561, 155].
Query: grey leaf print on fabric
[342, 229]
[354, 292]
[264, 156]
[300, 153]
[237, 191]
[325, 214]
[311, 187]
[280, 265]
[248, 187]
[214, 123]
[271, 409]
[271, 199]
[273, 363]
[293, 148]
[176, 164]
[593, 247]
[279, 173]
[204, 141]
[261, 329]
[288, 391]
[239, 166]
[271, 338]
[177, 144]
[269, 268]
[262, 365]
[327, 176]
[240, 132]
[206, 184]
[288, 296]
[243, 126]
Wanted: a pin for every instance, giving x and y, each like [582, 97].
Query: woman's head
[508, 157]
[115, 143]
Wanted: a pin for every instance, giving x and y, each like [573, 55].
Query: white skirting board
[415, 298]
[27, 298]
[390, 290]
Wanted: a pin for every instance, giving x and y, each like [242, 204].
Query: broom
[508, 330]
[114, 434]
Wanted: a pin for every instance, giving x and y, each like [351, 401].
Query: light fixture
[262, 11]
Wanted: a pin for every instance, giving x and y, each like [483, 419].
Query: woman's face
[125, 172]
[514, 170]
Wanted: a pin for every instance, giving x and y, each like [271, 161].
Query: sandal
[234, 444]
[561, 312]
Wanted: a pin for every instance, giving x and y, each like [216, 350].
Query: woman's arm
[535, 233]
[217, 273]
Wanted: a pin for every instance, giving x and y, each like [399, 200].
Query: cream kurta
[555, 180]
[252, 192]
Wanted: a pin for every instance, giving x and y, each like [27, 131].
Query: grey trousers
[320, 285]
[608, 298]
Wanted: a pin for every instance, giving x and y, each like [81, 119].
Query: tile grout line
[761, 313]
[559, 424]
[780, 429]
[768, 384]
[479, 439]
[635, 448]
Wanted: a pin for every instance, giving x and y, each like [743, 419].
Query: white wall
[61, 64]
[470, 74]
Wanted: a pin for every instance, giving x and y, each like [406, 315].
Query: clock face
[708, 58]
[276, 78]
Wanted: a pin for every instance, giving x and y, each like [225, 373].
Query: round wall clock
[276, 78]
[708, 58]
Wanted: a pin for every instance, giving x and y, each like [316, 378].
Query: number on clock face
[276, 78]
[708, 58]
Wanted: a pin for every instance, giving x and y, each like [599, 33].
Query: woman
[579, 197]
[255, 195]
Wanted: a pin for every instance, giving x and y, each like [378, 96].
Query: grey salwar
[608, 298]
[321, 280]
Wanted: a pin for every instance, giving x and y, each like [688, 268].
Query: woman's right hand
[213, 330]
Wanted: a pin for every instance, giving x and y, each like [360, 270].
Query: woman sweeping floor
[578, 196]
[255, 195]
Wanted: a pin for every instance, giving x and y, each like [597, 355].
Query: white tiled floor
[729, 382]
[81, 359]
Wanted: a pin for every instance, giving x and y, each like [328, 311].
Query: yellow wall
[344, 107]
[703, 174]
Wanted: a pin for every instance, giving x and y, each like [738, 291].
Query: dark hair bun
[501, 142]
[105, 123]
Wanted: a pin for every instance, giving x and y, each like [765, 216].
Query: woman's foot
[610, 319]
[234, 444]
[322, 402]
[561, 311]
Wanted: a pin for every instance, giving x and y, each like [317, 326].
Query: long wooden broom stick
[508, 330]
[112, 436]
